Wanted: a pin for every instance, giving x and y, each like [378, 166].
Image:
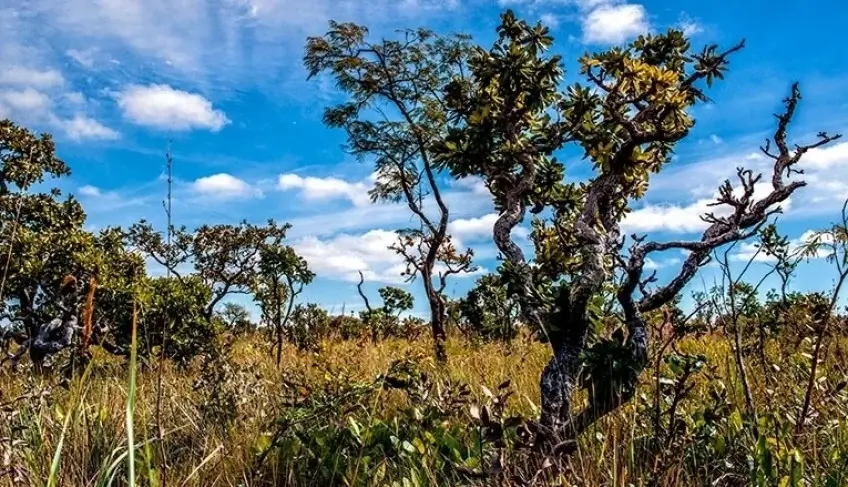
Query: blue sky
[114, 80]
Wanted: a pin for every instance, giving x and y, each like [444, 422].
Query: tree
[489, 310]
[280, 280]
[224, 257]
[395, 113]
[310, 323]
[174, 305]
[627, 121]
[50, 264]
[236, 317]
[395, 300]
[383, 319]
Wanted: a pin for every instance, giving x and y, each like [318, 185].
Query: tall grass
[131, 400]
[317, 421]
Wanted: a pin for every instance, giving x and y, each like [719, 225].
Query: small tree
[395, 300]
[510, 118]
[174, 306]
[225, 257]
[310, 324]
[281, 278]
[383, 319]
[489, 311]
[236, 317]
[395, 113]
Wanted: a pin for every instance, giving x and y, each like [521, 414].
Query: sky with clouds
[114, 80]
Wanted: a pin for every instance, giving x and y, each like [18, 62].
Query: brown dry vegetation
[324, 407]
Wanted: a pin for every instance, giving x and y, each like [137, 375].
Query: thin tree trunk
[437, 325]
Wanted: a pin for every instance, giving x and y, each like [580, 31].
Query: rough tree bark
[747, 215]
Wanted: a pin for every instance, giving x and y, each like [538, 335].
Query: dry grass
[217, 429]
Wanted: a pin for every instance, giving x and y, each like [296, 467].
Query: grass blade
[131, 401]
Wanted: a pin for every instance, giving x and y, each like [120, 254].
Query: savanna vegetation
[575, 366]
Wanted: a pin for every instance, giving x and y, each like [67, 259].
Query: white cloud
[209, 44]
[686, 218]
[26, 100]
[465, 200]
[32, 107]
[651, 264]
[602, 21]
[81, 127]
[614, 24]
[225, 186]
[716, 139]
[475, 184]
[343, 256]
[472, 229]
[164, 107]
[834, 156]
[39, 98]
[23, 76]
[549, 20]
[74, 97]
[89, 190]
[107, 202]
[689, 26]
[667, 218]
[316, 189]
[680, 193]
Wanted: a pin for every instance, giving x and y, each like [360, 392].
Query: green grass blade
[131, 402]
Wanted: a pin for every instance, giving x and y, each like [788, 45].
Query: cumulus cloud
[24, 76]
[343, 256]
[225, 186]
[471, 229]
[316, 189]
[549, 20]
[89, 190]
[38, 98]
[601, 21]
[614, 24]
[686, 218]
[25, 100]
[163, 107]
[81, 127]
[651, 264]
[689, 26]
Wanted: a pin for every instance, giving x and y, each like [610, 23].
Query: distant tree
[236, 317]
[395, 300]
[489, 311]
[226, 259]
[510, 117]
[281, 278]
[381, 320]
[394, 114]
[174, 305]
[310, 324]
